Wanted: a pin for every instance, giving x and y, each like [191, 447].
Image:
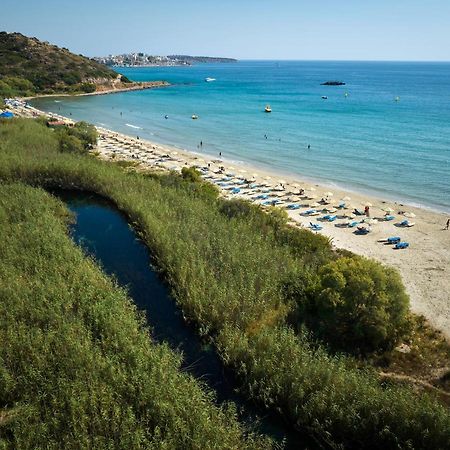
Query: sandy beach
[424, 265]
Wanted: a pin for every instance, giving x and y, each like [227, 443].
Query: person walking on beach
[367, 211]
[448, 224]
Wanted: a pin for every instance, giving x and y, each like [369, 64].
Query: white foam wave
[133, 126]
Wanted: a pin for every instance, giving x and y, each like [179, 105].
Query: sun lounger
[293, 206]
[362, 230]
[315, 226]
[358, 212]
[235, 190]
[308, 212]
[401, 245]
[389, 218]
[262, 197]
[332, 218]
[393, 240]
[406, 223]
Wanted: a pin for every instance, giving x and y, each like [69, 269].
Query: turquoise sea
[389, 136]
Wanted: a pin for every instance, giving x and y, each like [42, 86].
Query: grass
[227, 265]
[78, 368]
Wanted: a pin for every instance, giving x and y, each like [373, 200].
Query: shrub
[190, 174]
[85, 133]
[235, 208]
[355, 304]
[69, 143]
[86, 87]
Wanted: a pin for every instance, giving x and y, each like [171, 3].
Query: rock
[333, 83]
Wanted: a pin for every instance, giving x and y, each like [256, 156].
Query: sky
[412, 30]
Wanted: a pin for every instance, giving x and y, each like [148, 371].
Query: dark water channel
[103, 232]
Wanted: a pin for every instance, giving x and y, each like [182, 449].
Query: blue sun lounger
[393, 240]
[315, 226]
[309, 211]
[401, 245]
[293, 206]
[262, 197]
[388, 218]
[235, 190]
[353, 224]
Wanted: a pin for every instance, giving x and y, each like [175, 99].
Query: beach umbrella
[314, 205]
[255, 175]
[346, 199]
[409, 214]
[328, 194]
[296, 185]
[388, 210]
[282, 181]
[311, 189]
[267, 178]
[367, 204]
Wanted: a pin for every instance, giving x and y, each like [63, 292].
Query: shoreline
[424, 266]
[137, 86]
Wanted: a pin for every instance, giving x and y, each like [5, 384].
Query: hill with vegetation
[29, 66]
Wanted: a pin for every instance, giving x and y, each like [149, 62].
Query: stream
[103, 232]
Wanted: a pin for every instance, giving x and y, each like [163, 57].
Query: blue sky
[245, 29]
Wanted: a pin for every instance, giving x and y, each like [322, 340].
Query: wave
[133, 126]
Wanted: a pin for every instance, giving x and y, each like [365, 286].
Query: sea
[386, 132]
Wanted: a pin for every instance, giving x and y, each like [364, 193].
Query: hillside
[201, 59]
[29, 66]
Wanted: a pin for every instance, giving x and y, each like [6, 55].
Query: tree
[355, 304]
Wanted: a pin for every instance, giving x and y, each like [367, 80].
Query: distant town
[145, 60]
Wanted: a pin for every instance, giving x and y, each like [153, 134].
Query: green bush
[85, 132]
[355, 304]
[190, 174]
[86, 87]
[69, 143]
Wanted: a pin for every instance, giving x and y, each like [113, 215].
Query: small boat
[324, 97]
[268, 109]
[208, 79]
[194, 116]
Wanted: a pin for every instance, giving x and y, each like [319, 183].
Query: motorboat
[194, 116]
[268, 109]
[208, 79]
[324, 97]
